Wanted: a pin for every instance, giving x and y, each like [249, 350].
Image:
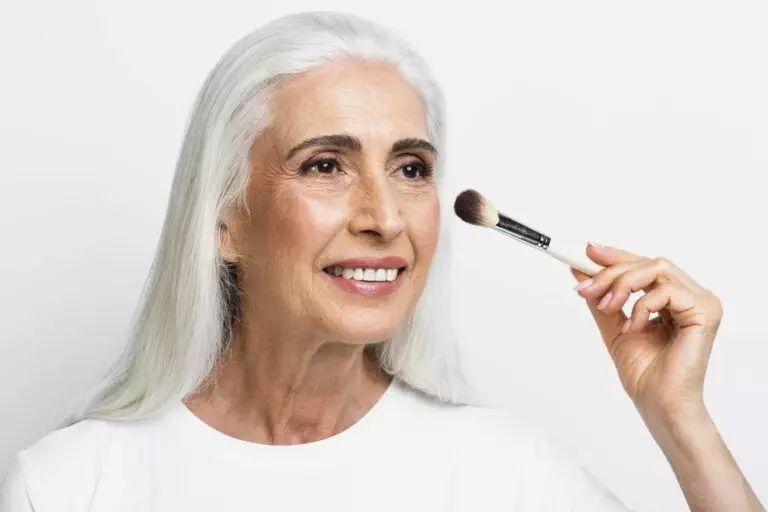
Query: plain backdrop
[642, 125]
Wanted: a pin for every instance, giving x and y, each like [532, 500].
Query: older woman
[287, 353]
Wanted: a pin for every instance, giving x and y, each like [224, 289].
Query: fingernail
[584, 284]
[605, 300]
[595, 244]
[626, 325]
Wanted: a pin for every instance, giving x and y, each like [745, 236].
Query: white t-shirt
[408, 453]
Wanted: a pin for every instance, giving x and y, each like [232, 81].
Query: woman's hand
[661, 362]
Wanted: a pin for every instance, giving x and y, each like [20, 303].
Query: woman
[286, 356]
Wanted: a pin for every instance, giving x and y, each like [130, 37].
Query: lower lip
[369, 288]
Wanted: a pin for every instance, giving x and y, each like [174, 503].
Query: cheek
[305, 222]
[424, 226]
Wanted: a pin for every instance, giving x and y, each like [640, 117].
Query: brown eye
[416, 170]
[321, 165]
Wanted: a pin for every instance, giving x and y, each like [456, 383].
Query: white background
[638, 124]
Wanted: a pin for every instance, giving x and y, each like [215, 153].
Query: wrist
[686, 416]
[686, 430]
[675, 414]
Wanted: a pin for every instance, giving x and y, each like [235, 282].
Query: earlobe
[226, 246]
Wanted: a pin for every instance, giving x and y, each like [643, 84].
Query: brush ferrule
[522, 232]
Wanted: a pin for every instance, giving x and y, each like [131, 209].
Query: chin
[365, 328]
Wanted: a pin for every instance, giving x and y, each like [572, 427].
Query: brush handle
[557, 247]
[576, 258]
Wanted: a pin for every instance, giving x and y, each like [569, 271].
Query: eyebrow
[354, 144]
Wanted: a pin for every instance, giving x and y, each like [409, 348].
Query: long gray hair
[190, 299]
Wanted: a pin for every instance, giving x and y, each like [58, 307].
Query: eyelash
[426, 170]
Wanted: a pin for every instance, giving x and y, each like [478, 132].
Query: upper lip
[371, 262]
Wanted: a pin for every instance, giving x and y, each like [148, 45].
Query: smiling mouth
[381, 274]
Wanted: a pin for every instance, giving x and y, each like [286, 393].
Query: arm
[705, 469]
[662, 364]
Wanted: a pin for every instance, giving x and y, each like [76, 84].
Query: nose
[376, 210]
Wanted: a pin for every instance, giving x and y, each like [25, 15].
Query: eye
[416, 170]
[321, 165]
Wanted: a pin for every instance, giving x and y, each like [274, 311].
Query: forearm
[705, 469]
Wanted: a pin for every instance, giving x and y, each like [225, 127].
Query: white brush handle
[571, 256]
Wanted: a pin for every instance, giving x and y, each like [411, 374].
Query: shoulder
[478, 436]
[62, 469]
[79, 444]
[59, 471]
[486, 424]
[499, 454]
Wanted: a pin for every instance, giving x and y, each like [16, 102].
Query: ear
[228, 240]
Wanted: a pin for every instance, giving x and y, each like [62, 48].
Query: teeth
[365, 274]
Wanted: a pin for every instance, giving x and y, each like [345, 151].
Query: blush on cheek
[324, 213]
[424, 220]
[310, 221]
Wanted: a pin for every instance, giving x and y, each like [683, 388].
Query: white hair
[184, 319]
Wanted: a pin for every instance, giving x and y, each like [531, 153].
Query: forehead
[363, 98]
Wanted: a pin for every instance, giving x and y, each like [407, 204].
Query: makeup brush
[473, 208]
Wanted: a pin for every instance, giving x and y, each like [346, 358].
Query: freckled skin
[303, 222]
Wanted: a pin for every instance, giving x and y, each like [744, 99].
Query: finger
[601, 282]
[652, 302]
[676, 305]
[580, 276]
[644, 275]
[611, 319]
[609, 324]
[607, 255]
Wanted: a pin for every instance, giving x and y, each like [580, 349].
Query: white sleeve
[14, 496]
[556, 480]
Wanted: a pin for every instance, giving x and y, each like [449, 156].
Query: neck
[279, 390]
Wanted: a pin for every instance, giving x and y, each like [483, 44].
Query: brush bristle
[473, 208]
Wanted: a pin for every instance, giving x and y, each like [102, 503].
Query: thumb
[609, 324]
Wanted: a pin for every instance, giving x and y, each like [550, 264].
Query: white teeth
[365, 274]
